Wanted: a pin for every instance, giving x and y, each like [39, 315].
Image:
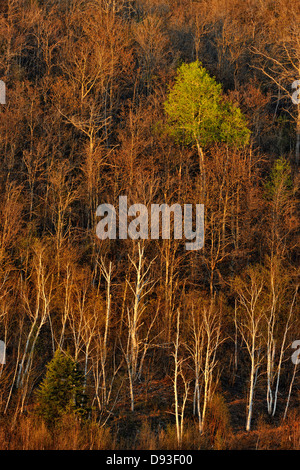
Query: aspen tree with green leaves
[198, 113]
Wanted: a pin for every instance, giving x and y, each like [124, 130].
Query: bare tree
[283, 347]
[205, 341]
[178, 373]
[282, 64]
[142, 286]
[249, 323]
[37, 310]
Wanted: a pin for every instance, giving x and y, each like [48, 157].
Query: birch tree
[105, 367]
[206, 338]
[140, 289]
[277, 330]
[36, 306]
[179, 374]
[250, 322]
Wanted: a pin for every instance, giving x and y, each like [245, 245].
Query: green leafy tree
[198, 113]
[61, 391]
[280, 179]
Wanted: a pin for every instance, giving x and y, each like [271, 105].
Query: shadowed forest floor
[152, 427]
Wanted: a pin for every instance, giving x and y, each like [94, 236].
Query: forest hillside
[179, 336]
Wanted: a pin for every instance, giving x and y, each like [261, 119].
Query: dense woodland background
[175, 348]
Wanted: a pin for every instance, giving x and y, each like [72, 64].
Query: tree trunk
[297, 156]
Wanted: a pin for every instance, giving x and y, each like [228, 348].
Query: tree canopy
[198, 111]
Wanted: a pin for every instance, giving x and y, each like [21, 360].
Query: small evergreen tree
[61, 391]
